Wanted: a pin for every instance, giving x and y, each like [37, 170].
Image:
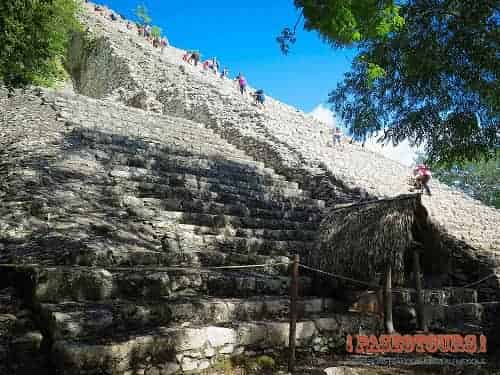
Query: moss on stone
[224, 366]
[262, 364]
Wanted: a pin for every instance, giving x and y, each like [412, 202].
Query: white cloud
[323, 114]
[402, 153]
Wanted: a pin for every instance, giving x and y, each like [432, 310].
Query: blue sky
[242, 35]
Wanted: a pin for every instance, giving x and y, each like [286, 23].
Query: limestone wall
[195, 349]
[95, 69]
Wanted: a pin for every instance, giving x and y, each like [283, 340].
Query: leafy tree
[431, 79]
[142, 14]
[33, 40]
[480, 180]
[344, 22]
[156, 32]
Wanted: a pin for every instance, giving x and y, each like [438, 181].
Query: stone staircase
[127, 217]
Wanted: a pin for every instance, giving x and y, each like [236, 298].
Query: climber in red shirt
[422, 177]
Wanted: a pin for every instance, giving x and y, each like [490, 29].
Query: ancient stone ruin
[126, 199]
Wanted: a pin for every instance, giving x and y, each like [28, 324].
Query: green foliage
[262, 364]
[142, 14]
[345, 22]
[224, 366]
[156, 32]
[374, 72]
[480, 180]
[33, 40]
[433, 82]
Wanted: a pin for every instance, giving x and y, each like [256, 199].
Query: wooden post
[421, 321]
[294, 294]
[389, 325]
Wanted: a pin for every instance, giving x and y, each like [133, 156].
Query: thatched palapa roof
[358, 240]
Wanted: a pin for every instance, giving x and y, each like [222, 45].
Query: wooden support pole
[389, 325]
[294, 295]
[421, 320]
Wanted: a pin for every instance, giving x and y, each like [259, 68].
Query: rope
[479, 281]
[246, 266]
[339, 276]
[378, 286]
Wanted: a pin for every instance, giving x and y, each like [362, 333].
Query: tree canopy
[480, 179]
[156, 32]
[142, 14]
[33, 40]
[426, 71]
[343, 22]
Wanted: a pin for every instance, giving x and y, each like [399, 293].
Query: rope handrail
[339, 276]
[378, 286]
[480, 280]
[149, 268]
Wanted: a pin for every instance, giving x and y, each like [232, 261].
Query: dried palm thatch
[358, 240]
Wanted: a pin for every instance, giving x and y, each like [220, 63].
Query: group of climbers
[145, 32]
[142, 30]
[257, 95]
[213, 65]
[190, 57]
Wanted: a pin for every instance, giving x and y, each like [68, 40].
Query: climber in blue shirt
[259, 97]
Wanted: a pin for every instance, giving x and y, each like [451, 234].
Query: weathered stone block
[250, 334]
[190, 338]
[169, 368]
[305, 331]
[219, 336]
[277, 334]
[189, 364]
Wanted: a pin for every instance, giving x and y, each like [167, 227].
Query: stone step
[438, 296]
[165, 219]
[56, 284]
[183, 242]
[79, 110]
[203, 149]
[214, 157]
[79, 319]
[216, 208]
[463, 317]
[114, 133]
[122, 256]
[210, 168]
[220, 163]
[178, 349]
[170, 184]
[269, 234]
[238, 179]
